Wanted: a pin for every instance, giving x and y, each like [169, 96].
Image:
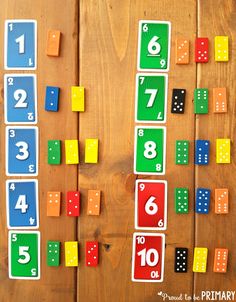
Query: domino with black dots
[178, 100]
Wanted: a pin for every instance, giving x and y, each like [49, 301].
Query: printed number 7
[153, 93]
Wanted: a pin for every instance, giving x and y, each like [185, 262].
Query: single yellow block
[91, 150]
[72, 151]
[221, 48]
[200, 259]
[223, 151]
[71, 253]
[77, 98]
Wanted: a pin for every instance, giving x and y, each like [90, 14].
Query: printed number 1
[21, 41]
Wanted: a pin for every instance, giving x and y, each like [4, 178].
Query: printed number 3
[23, 149]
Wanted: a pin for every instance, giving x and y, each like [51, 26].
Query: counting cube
[91, 253]
[219, 100]
[202, 149]
[221, 201]
[54, 152]
[71, 253]
[200, 259]
[223, 151]
[181, 152]
[201, 101]
[53, 203]
[221, 49]
[203, 197]
[53, 253]
[73, 204]
[91, 150]
[181, 200]
[53, 43]
[77, 98]
[52, 98]
[94, 199]
[72, 151]
[220, 261]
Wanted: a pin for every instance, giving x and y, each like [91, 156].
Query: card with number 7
[154, 42]
[149, 150]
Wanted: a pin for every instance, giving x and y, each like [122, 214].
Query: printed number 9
[163, 62]
[142, 187]
[150, 150]
[151, 207]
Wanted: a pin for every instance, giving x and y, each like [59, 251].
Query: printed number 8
[150, 150]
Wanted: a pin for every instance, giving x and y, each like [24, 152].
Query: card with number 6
[20, 99]
[148, 257]
[21, 151]
[20, 44]
[151, 204]
[149, 150]
[154, 42]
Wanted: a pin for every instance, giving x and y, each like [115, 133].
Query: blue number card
[20, 44]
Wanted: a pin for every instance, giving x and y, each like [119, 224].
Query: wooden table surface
[98, 51]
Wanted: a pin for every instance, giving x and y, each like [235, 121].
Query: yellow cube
[221, 48]
[72, 151]
[223, 151]
[71, 253]
[200, 259]
[91, 150]
[77, 98]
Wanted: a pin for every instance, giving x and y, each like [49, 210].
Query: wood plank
[56, 284]
[108, 49]
[213, 231]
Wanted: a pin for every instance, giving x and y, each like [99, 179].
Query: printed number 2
[20, 96]
[23, 149]
[21, 42]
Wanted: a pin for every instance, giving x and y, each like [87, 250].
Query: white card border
[137, 227]
[36, 149]
[6, 42]
[134, 251]
[36, 206]
[7, 75]
[165, 75]
[139, 45]
[9, 254]
[164, 150]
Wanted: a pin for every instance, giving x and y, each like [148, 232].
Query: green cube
[54, 152]
[181, 152]
[181, 200]
[201, 101]
[53, 253]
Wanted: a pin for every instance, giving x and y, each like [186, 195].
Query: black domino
[181, 260]
[178, 100]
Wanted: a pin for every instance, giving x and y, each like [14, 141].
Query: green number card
[24, 255]
[151, 98]
[150, 150]
[154, 45]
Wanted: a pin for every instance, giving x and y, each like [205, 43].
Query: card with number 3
[21, 151]
[154, 45]
[20, 44]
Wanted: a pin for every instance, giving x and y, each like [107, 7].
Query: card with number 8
[151, 204]
[154, 45]
[148, 257]
[24, 255]
[20, 99]
[21, 151]
[150, 149]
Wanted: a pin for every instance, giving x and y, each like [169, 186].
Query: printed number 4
[23, 251]
[21, 204]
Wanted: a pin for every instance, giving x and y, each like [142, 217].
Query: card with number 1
[20, 44]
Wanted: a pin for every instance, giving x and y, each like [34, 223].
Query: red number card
[148, 257]
[151, 204]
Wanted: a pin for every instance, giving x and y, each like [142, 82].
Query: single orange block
[53, 203]
[221, 201]
[220, 261]
[219, 100]
[53, 43]
[182, 51]
[94, 200]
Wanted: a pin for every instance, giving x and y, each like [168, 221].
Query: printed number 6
[154, 47]
[23, 148]
[23, 251]
[151, 207]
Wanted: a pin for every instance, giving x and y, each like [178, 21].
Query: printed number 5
[23, 149]
[23, 251]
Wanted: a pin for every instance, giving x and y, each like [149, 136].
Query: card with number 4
[20, 99]
[154, 45]
[24, 255]
[22, 204]
[21, 151]
[150, 150]
[20, 44]
[148, 257]
[151, 204]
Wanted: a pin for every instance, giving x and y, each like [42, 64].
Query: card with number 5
[151, 204]
[154, 42]
[149, 150]
[20, 99]
[24, 255]
[148, 257]
[20, 44]
[21, 151]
